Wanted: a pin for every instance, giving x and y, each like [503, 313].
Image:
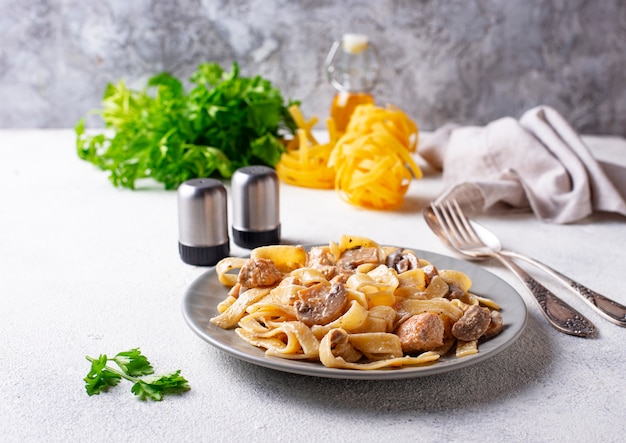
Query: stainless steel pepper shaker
[203, 222]
[256, 208]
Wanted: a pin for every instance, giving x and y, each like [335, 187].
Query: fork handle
[609, 309]
[561, 315]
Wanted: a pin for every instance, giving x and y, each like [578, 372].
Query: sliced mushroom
[402, 260]
[495, 325]
[341, 347]
[352, 258]
[456, 292]
[430, 271]
[393, 257]
[473, 324]
[321, 303]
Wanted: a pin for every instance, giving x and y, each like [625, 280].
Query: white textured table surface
[86, 269]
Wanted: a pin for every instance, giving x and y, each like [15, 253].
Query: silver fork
[464, 239]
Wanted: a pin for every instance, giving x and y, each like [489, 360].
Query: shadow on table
[514, 370]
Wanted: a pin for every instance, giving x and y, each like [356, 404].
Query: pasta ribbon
[413, 278]
[224, 268]
[352, 319]
[347, 242]
[459, 278]
[377, 345]
[287, 258]
[237, 310]
[378, 285]
[300, 343]
[465, 348]
[379, 319]
[437, 305]
[309, 276]
[487, 302]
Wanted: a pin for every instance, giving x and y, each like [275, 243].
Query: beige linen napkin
[538, 163]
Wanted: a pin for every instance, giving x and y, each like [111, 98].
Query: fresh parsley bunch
[136, 368]
[225, 122]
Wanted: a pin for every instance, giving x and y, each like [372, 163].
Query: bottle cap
[202, 222]
[354, 43]
[256, 208]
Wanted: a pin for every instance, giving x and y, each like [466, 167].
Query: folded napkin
[538, 162]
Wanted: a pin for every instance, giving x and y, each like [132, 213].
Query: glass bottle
[352, 67]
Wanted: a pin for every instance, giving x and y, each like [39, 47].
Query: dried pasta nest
[369, 166]
[372, 170]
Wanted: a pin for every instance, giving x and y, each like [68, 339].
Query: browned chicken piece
[321, 303]
[495, 325]
[351, 258]
[319, 255]
[258, 272]
[341, 347]
[421, 332]
[319, 259]
[402, 261]
[473, 324]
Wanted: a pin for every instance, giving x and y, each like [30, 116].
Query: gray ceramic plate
[202, 297]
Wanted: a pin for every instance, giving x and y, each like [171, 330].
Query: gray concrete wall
[465, 61]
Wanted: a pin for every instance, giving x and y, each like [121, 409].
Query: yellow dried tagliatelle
[391, 120]
[353, 304]
[372, 170]
[306, 161]
[369, 165]
[372, 162]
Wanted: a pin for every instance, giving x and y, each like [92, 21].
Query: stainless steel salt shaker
[256, 208]
[203, 222]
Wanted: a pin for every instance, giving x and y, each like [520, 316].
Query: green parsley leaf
[100, 378]
[224, 122]
[133, 365]
[154, 387]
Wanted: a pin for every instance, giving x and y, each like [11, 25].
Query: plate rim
[251, 354]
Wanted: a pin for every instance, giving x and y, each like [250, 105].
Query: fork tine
[456, 223]
[458, 230]
[447, 224]
[459, 215]
[441, 219]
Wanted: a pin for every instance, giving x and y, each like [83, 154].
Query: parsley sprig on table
[135, 368]
[226, 121]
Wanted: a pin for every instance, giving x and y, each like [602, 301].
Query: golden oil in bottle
[352, 67]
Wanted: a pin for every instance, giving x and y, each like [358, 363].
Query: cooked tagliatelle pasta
[353, 304]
